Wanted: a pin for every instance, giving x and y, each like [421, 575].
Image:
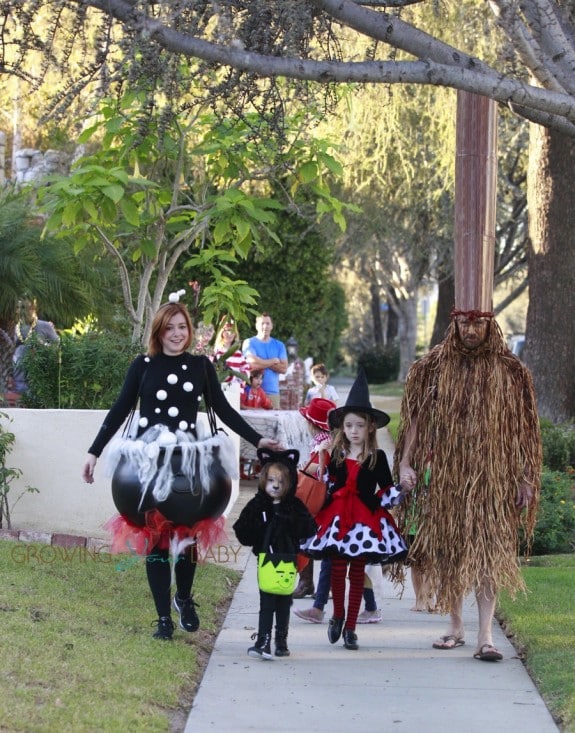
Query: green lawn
[542, 627]
[389, 389]
[77, 647]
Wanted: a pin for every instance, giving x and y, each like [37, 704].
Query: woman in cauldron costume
[169, 383]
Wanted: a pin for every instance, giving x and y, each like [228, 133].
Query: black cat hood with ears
[289, 458]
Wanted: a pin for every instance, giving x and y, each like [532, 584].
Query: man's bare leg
[486, 599]
[416, 581]
[424, 600]
[455, 631]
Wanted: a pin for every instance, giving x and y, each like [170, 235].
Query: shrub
[558, 445]
[555, 529]
[83, 371]
[8, 475]
[381, 365]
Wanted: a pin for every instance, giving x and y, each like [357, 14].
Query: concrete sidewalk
[394, 682]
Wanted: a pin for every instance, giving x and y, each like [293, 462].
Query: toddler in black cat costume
[274, 506]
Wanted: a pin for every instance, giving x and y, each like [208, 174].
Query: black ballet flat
[334, 629]
[350, 639]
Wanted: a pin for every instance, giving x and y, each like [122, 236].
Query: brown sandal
[488, 653]
[448, 642]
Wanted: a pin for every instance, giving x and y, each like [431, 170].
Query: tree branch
[441, 64]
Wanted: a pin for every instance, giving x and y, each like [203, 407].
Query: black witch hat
[358, 401]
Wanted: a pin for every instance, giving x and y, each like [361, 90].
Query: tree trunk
[376, 314]
[445, 301]
[392, 329]
[407, 334]
[550, 334]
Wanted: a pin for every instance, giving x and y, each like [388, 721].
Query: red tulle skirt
[162, 533]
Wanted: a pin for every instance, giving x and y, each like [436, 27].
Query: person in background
[28, 325]
[253, 397]
[315, 415]
[169, 383]
[274, 509]
[319, 378]
[236, 366]
[264, 352]
[355, 526]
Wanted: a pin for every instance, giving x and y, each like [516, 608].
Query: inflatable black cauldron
[185, 505]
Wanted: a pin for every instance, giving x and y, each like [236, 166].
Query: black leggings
[270, 604]
[159, 575]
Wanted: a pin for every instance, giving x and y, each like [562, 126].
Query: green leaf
[148, 248]
[242, 245]
[86, 134]
[130, 212]
[330, 163]
[91, 209]
[242, 227]
[115, 193]
[221, 231]
[308, 172]
[70, 214]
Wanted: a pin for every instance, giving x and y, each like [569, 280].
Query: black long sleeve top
[170, 389]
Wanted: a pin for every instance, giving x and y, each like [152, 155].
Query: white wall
[50, 449]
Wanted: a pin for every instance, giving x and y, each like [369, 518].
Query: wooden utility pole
[475, 201]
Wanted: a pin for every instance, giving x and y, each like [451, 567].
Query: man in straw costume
[469, 442]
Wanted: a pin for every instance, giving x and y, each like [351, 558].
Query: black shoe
[281, 644]
[261, 648]
[334, 629]
[350, 639]
[165, 628]
[189, 620]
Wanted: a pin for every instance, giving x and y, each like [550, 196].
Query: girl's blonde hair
[341, 443]
[163, 316]
[219, 340]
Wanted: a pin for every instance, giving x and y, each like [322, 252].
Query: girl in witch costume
[169, 383]
[355, 526]
[277, 516]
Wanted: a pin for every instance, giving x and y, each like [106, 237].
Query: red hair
[160, 323]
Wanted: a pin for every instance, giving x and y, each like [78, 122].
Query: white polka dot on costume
[157, 410]
[172, 379]
[146, 358]
[183, 425]
[188, 386]
[143, 422]
[184, 367]
[161, 394]
[199, 397]
[173, 412]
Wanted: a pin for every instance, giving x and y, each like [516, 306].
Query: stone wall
[31, 165]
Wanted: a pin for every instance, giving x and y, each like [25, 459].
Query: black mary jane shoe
[350, 639]
[334, 629]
